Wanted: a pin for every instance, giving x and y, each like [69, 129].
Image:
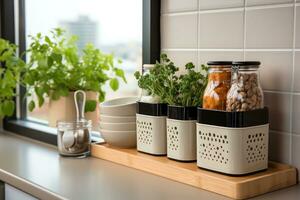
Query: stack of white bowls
[118, 122]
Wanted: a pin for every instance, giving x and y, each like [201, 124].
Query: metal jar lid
[225, 64]
[246, 64]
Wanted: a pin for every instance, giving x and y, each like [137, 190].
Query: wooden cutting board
[277, 176]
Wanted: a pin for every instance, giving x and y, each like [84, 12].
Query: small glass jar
[219, 77]
[74, 138]
[245, 93]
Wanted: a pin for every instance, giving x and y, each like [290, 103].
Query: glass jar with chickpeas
[245, 93]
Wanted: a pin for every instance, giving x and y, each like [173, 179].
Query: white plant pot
[181, 139]
[232, 150]
[233, 143]
[64, 110]
[151, 134]
[151, 128]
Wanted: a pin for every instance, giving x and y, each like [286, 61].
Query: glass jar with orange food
[219, 78]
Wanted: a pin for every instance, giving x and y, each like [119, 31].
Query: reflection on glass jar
[245, 93]
[219, 77]
[74, 138]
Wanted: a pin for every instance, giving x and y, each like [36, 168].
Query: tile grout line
[293, 84]
[218, 10]
[245, 34]
[278, 132]
[282, 92]
[233, 50]
[270, 6]
[271, 50]
[198, 33]
[222, 10]
[179, 13]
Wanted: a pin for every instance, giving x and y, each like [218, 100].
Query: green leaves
[56, 57]
[56, 67]
[137, 75]
[101, 97]
[8, 107]
[191, 86]
[11, 68]
[159, 81]
[183, 90]
[39, 93]
[47, 39]
[59, 92]
[114, 84]
[31, 106]
[90, 106]
[120, 73]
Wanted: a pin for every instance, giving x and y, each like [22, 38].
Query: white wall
[264, 30]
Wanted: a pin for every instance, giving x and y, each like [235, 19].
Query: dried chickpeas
[245, 93]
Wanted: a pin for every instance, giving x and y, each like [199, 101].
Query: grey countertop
[37, 169]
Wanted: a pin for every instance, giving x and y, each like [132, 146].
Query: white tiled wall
[264, 30]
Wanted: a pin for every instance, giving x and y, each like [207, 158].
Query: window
[130, 29]
[114, 26]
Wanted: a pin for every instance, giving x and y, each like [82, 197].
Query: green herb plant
[11, 68]
[56, 67]
[191, 86]
[160, 79]
[163, 81]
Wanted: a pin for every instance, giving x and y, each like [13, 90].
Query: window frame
[34, 130]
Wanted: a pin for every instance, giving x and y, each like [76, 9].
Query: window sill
[37, 131]
[32, 130]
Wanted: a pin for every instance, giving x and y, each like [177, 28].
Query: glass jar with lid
[74, 137]
[219, 78]
[245, 93]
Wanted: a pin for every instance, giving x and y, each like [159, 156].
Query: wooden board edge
[281, 179]
[174, 173]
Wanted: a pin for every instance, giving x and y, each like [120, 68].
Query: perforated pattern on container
[256, 145]
[173, 140]
[213, 147]
[144, 132]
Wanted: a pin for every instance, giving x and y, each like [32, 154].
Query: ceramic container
[234, 143]
[181, 133]
[129, 126]
[122, 139]
[117, 119]
[119, 107]
[151, 128]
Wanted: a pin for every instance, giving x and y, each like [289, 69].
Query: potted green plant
[11, 68]
[56, 69]
[183, 94]
[152, 108]
[186, 96]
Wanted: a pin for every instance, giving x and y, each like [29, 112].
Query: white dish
[125, 106]
[117, 119]
[123, 139]
[118, 126]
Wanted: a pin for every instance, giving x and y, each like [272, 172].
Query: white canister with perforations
[151, 128]
[181, 133]
[234, 143]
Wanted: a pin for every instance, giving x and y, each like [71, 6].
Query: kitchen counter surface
[37, 169]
